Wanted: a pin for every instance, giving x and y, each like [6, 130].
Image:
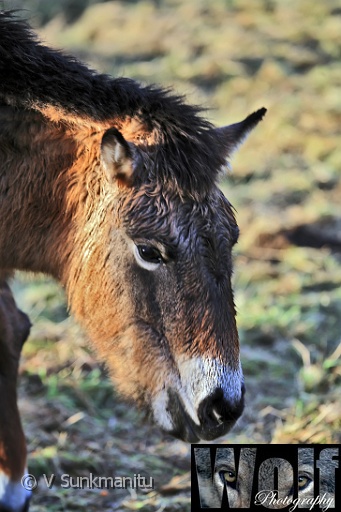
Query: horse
[111, 188]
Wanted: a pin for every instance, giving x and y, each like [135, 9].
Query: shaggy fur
[185, 143]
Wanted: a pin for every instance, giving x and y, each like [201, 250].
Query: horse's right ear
[233, 136]
[117, 157]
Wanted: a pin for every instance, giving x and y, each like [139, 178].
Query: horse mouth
[212, 426]
[184, 427]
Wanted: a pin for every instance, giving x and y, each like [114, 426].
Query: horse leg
[14, 329]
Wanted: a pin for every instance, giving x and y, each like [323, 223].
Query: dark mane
[186, 152]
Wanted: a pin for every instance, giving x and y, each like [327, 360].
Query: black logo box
[210, 456]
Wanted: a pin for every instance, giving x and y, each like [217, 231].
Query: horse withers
[111, 188]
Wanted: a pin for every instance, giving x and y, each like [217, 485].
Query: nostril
[209, 410]
[215, 410]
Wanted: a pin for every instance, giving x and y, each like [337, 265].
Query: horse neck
[41, 190]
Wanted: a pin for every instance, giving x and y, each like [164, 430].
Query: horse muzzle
[216, 417]
[13, 495]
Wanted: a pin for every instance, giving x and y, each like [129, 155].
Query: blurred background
[231, 56]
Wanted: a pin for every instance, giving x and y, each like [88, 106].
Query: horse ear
[117, 156]
[233, 136]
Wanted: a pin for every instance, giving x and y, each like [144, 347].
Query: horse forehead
[158, 213]
[209, 212]
[208, 220]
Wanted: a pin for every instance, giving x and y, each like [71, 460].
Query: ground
[232, 57]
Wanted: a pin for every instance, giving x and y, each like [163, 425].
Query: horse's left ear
[117, 156]
[233, 136]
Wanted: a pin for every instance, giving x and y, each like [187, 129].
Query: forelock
[182, 153]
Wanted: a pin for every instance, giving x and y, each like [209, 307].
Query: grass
[233, 56]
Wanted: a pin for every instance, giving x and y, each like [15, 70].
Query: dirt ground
[232, 57]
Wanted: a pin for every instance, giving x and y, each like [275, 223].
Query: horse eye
[149, 253]
[303, 481]
[147, 256]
